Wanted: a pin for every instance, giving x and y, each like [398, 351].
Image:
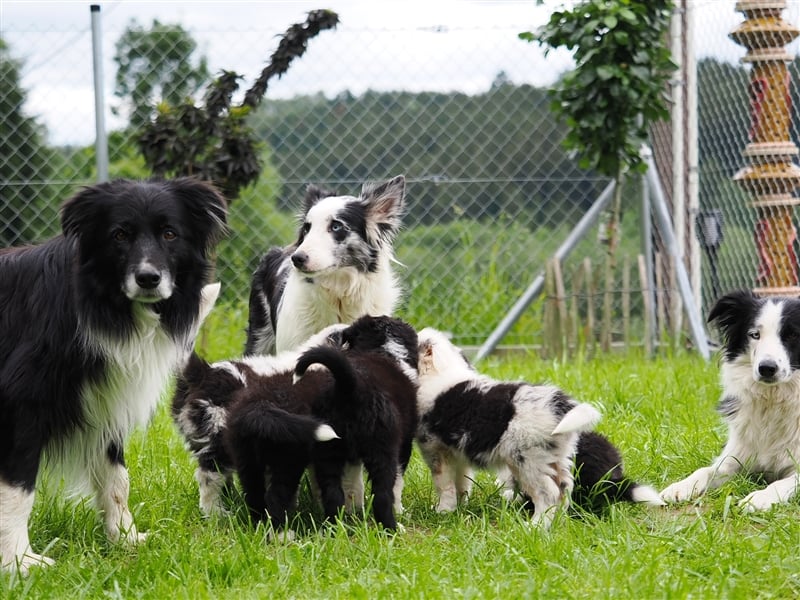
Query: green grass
[659, 412]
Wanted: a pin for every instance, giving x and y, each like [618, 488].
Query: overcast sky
[442, 45]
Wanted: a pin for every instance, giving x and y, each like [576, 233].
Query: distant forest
[499, 149]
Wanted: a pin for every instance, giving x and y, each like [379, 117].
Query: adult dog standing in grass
[760, 400]
[93, 324]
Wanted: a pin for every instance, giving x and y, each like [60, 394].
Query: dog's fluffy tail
[583, 417]
[599, 477]
[335, 361]
[275, 425]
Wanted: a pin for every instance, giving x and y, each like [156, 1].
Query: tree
[24, 161]
[214, 141]
[156, 64]
[616, 91]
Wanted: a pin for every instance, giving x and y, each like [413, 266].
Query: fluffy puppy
[760, 401]
[372, 406]
[93, 325]
[234, 413]
[467, 419]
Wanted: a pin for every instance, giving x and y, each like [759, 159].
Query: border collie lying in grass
[760, 400]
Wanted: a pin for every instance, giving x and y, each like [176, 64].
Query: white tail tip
[581, 418]
[647, 495]
[325, 433]
[296, 378]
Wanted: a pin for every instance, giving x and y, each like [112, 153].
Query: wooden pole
[772, 175]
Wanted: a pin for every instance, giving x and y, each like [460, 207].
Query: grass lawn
[659, 412]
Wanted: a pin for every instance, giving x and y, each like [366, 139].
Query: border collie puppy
[338, 269]
[760, 400]
[467, 419]
[371, 406]
[600, 479]
[93, 324]
[209, 397]
[248, 416]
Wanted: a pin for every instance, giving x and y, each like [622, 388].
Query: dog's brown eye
[119, 235]
[169, 234]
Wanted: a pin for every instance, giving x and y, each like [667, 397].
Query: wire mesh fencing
[491, 194]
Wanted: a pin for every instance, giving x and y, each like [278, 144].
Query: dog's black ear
[385, 203]
[85, 207]
[206, 206]
[732, 315]
[313, 195]
[732, 307]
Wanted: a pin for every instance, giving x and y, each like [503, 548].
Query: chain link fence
[461, 109]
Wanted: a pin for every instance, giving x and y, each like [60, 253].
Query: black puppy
[371, 406]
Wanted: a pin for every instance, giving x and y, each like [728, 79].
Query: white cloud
[440, 45]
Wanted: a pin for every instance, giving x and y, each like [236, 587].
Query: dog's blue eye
[754, 334]
[336, 226]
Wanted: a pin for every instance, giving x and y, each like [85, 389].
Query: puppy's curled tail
[275, 425]
[334, 360]
[583, 417]
[600, 479]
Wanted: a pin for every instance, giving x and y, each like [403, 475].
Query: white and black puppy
[372, 407]
[760, 400]
[248, 417]
[467, 420]
[250, 396]
[93, 324]
[338, 269]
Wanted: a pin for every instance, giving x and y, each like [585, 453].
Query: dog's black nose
[148, 279]
[299, 259]
[767, 369]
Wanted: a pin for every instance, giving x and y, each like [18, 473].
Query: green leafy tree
[214, 141]
[617, 90]
[24, 162]
[156, 64]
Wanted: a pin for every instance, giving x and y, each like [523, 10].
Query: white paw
[445, 507]
[130, 537]
[758, 501]
[510, 496]
[681, 491]
[29, 560]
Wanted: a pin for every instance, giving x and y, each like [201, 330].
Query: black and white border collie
[372, 408]
[469, 420]
[265, 418]
[760, 401]
[338, 269]
[93, 323]
[223, 410]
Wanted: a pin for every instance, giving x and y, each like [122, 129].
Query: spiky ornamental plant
[214, 141]
[619, 87]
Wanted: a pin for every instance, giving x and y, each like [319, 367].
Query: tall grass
[659, 412]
